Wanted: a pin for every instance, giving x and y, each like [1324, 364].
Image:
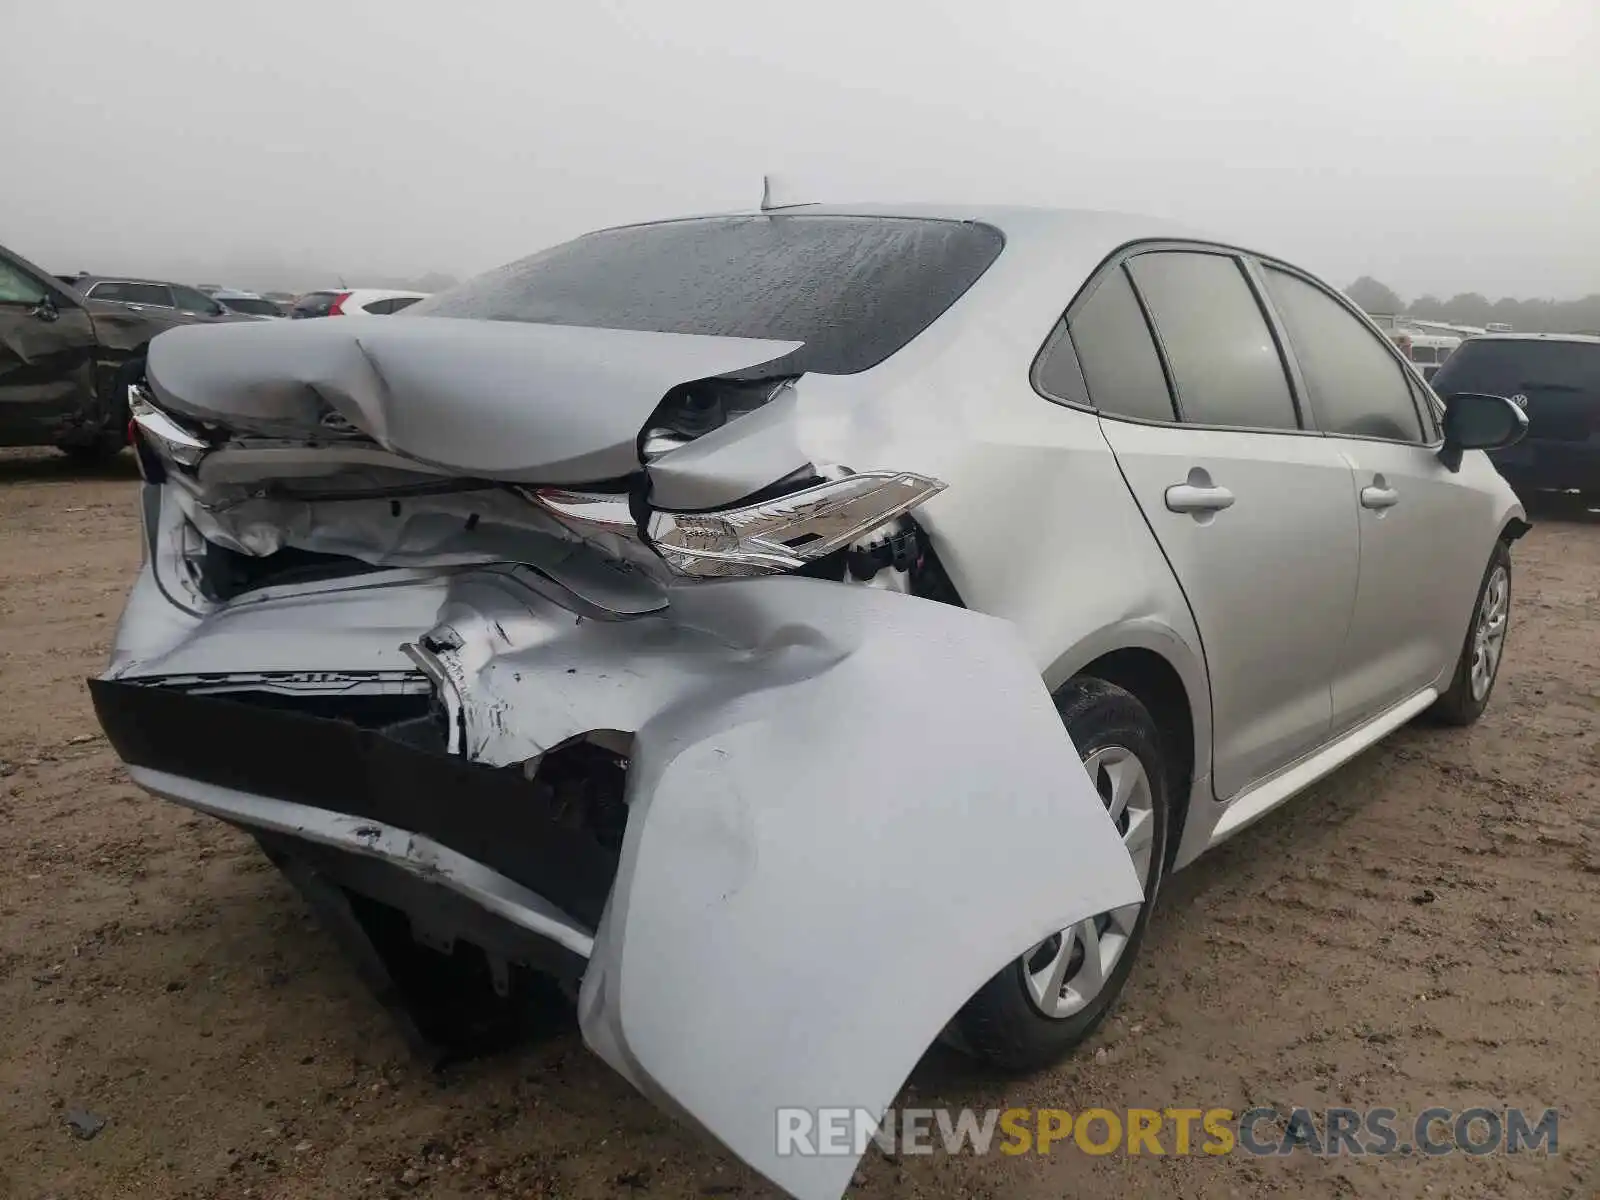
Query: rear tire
[1468, 695]
[98, 451]
[1006, 1024]
[100, 447]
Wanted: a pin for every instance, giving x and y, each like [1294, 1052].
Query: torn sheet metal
[848, 809]
[553, 404]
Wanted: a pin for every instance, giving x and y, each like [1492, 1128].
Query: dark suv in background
[1555, 378]
[68, 352]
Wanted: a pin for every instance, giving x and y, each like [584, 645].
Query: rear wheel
[1479, 664]
[97, 451]
[1040, 1006]
[105, 443]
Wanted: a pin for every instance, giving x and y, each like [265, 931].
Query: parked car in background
[353, 302]
[143, 294]
[1555, 379]
[1429, 350]
[68, 356]
[632, 611]
[249, 304]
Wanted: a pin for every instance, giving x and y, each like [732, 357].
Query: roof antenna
[774, 194]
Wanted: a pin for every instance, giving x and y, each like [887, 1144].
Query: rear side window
[380, 308]
[1356, 387]
[400, 302]
[1226, 368]
[153, 294]
[190, 300]
[1120, 365]
[853, 289]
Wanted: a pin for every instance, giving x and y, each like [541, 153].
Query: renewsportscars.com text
[1169, 1131]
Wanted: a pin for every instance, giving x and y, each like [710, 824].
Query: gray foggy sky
[1441, 145]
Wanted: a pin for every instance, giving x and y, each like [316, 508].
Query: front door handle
[1190, 498]
[1377, 496]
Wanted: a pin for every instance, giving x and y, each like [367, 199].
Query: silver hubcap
[1489, 637]
[1067, 970]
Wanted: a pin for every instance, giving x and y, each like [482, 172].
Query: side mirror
[46, 309]
[1473, 421]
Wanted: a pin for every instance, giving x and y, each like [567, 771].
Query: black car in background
[143, 294]
[1555, 378]
[68, 352]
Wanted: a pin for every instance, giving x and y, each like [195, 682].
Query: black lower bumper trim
[489, 814]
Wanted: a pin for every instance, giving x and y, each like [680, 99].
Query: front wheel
[1040, 1006]
[1479, 664]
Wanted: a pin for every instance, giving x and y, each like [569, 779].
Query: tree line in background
[1469, 308]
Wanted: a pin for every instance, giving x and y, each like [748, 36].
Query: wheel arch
[1157, 666]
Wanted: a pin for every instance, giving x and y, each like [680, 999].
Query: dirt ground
[1422, 929]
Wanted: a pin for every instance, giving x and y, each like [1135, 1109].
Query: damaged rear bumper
[844, 809]
[330, 783]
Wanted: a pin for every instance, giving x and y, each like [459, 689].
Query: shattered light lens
[176, 442]
[789, 531]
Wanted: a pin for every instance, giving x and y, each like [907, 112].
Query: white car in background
[353, 302]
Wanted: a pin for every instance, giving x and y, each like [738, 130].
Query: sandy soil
[1422, 929]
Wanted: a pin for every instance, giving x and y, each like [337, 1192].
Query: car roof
[1582, 339]
[235, 294]
[1083, 229]
[87, 280]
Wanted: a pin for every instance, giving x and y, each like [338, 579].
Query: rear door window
[400, 302]
[1226, 367]
[1120, 366]
[153, 294]
[381, 308]
[1356, 386]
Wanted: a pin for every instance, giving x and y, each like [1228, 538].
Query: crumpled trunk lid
[523, 403]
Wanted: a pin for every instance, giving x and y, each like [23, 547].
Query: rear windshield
[853, 289]
[1509, 368]
[252, 306]
[313, 304]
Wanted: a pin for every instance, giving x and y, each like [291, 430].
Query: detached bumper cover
[847, 809]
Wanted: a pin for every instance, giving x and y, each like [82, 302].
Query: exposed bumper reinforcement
[470, 827]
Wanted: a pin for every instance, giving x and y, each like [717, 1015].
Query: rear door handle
[1374, 496]
[1189, 498]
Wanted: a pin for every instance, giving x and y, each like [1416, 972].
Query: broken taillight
[175, 442]
[787, 532]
